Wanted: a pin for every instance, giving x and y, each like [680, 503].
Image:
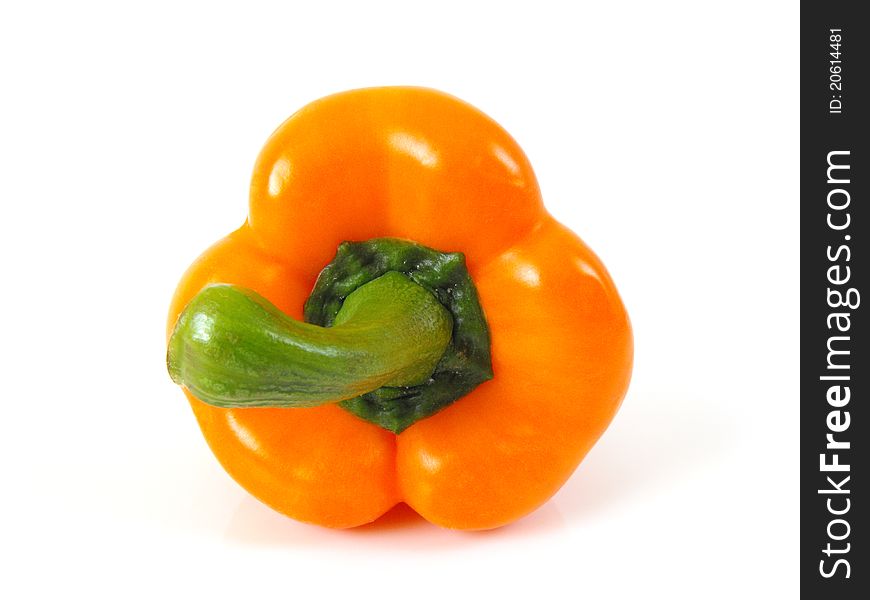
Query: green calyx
[394, 332]
[465, 364]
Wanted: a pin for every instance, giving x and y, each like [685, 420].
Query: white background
[664, 133]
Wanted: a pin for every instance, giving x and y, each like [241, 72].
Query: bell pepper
[399, 320]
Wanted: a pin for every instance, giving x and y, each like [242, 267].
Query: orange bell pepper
[419, 165]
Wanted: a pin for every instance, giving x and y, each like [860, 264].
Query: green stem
[232, 348]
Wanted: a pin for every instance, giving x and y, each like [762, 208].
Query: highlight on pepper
[398, 320]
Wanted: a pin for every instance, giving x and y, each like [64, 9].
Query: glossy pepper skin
[418, 164]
